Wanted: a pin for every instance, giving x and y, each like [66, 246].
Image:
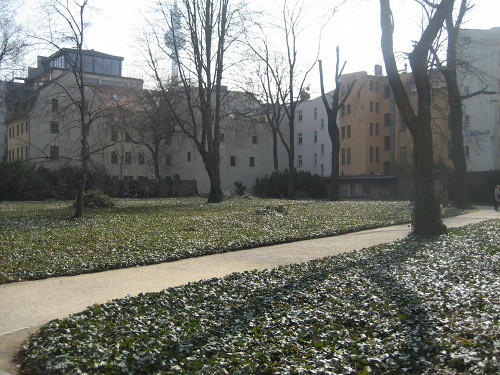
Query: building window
[254, 139]
[376, 155]
[128, 158]
[371, 154]
[140, 159]
[402, 153]
[299, 160]
[10, 132]
[322, 169]
[387, 120]
[376, 129]
[27, 127]
[22, 153]
[188, 156]
[348, 109]
[300, 115]
[299, 141]
[377, 107]
[26, 152]
[315, 159]
[322, 123]
[387, 91]
[348, 156]
[168, 159]
[343, 132]
[371, 128]
[348, 131]
[17, 130]
[22, 128]
[315, 113]
[315, 136]
[322, 149]
[54, 153]
[114, 136]
[342, 158]
[467, 151]
[114, 157]
[342, 90]
[232, 161]
[343, 111]
[221, 137]
[371, 106]
[371, 85]
[252, 161]
[376, 86]
[55, 105]
[54, 127]
[387, 143]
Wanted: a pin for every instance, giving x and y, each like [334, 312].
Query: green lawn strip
[39, 241]
[412, 306]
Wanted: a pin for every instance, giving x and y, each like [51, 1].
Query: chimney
[378, 70]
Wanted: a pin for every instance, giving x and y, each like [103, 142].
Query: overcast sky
[354, 28]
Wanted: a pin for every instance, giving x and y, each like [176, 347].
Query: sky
[355, 28]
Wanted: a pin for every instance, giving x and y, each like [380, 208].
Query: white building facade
[479, 52]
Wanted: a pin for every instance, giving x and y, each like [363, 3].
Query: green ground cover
[37, 240]
[410, 307]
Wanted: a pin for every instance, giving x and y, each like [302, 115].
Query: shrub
[306, 185]
[240, 188]
[97, 199]
[22, 181]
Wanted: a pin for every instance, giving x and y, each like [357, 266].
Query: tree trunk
[426, 215]
[213, 171]
[462, 199]
[334, 191]
[275, 148]
[291, 167]
[83, 178]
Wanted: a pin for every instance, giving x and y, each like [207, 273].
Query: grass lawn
[410, 307]
[39, 241]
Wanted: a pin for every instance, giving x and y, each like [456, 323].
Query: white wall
[483, 134]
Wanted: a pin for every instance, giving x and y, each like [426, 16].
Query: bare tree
[67, 25]
[195, 96]
[333, 127]
[145, 120]
[12, 44]
[426, 216]
[271, 74]
[455, 99]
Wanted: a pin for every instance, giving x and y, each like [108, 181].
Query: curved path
[25, 306]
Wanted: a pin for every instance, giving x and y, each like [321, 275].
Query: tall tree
[198, 36]
[271, 86]
[455, 99]
[426, 216]
[333, 127]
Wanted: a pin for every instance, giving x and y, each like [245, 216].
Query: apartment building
[364, 125]
[43, 127]
[479, 54]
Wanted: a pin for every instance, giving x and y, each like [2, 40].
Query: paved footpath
[25, 306]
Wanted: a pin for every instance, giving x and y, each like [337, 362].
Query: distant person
[497, 197]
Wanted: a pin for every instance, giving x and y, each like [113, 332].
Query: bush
[240, 188]
[306, 185]
[23, 181]
[97, 199]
